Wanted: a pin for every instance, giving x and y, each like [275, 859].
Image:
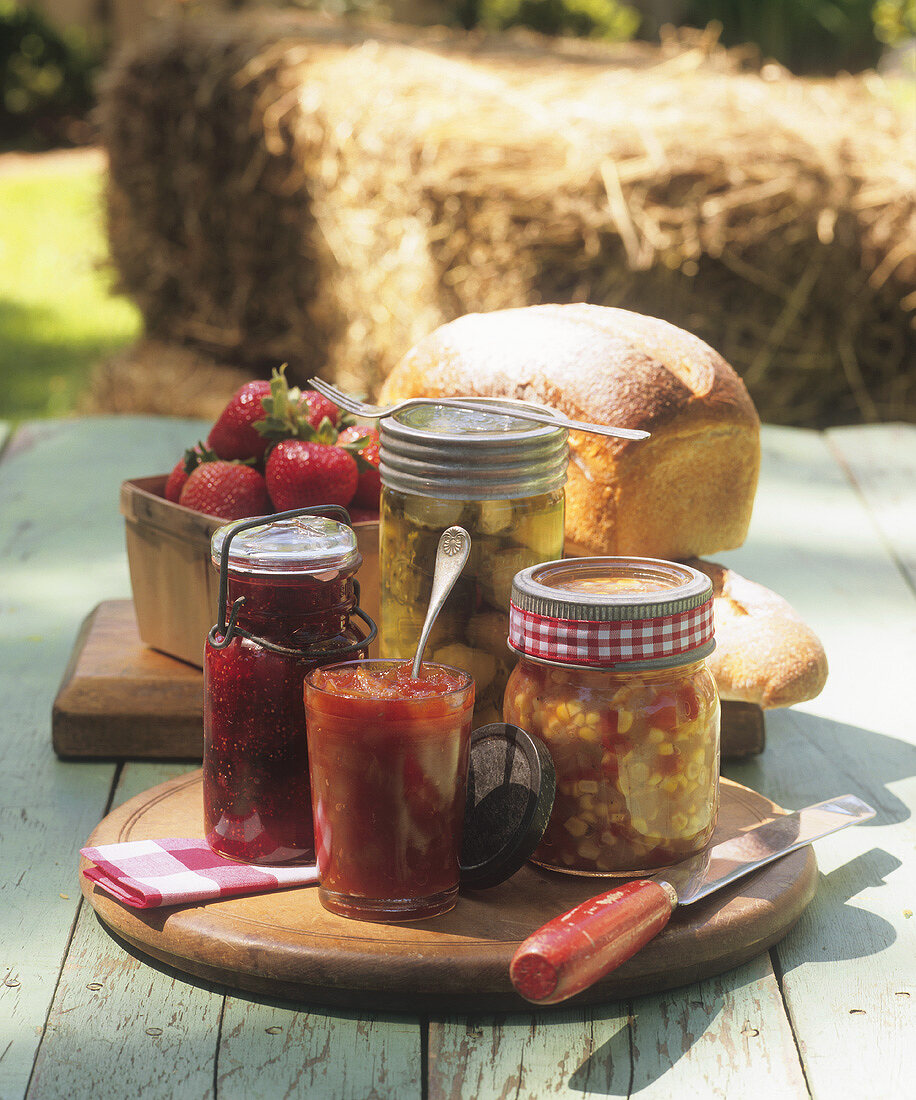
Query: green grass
[58, 317]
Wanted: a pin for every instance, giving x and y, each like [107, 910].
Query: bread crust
[686, 491]
[765, 653]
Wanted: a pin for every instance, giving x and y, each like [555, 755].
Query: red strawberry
[229, 490]
[355, 433]
[299, 474]
[369, 486]
[319, 407]
[189, 461]
[175, 482]
[233, 435]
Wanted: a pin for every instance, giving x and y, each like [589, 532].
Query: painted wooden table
[829, 1011]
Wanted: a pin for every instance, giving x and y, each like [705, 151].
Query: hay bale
[289, 189]
[162, 379]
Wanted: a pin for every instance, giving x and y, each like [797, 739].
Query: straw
[293, 189]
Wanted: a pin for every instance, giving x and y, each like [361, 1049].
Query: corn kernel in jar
[612, 677]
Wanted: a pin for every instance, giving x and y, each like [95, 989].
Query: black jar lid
[511, 787]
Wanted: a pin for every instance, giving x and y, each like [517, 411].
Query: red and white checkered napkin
[150, 873]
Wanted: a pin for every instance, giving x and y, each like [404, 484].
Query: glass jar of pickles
[499, 477]
[612, 676]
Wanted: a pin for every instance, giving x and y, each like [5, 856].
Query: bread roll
[765, 653]
[688, 490]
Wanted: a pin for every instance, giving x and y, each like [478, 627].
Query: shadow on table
[809, 758]
[830, 930]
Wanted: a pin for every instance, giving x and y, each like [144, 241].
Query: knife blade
[572, 951]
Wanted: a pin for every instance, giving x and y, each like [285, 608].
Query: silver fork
[519, 409]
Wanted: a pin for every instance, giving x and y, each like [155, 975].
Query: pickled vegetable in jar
[612, 676]
[290, 582]
[499, 477]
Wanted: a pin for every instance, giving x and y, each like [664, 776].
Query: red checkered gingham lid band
[587, 642]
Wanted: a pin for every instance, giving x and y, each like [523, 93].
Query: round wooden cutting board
[285, 945]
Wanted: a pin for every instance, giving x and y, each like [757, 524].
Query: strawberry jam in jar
[612, 676]
[389, 762]
[287, 585]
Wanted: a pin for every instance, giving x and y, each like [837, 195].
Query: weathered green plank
[881, 459]
[813, 541]
[848, 964]
[119, 1025]
[266, 1049]
[725, 1037]
[555, 1053]
[138, 776]
[278, 1050]
[61, 551]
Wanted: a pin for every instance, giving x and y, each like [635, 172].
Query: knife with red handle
[573, 951]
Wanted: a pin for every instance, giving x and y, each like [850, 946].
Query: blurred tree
[804, 35]
[45, 78]
[895, 21]
[605, 19]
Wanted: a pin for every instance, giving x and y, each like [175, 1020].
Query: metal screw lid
[611, 611]
[468, 454]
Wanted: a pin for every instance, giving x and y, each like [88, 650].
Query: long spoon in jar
[451, 555]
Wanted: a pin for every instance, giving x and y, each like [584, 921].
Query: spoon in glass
[451, 555]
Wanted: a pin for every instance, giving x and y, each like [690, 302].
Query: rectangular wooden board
[119, 698]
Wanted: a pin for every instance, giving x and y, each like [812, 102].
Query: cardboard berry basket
[173, 580]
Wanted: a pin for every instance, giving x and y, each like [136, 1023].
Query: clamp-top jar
[502, 479]
[287, 584]
[612, 675]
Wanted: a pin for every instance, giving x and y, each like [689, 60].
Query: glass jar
[499, 477]
[389, 761]
[290, 584]
[612, 675]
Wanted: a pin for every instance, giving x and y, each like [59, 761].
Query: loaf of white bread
[685, 492]
[765, 653]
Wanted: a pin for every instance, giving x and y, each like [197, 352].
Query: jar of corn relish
[288, 587]
[612, 676]
[501, 478]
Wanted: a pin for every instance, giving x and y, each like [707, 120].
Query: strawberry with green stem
[233, 435]
[295, 433]
[304, 464]
[260, 412]
[183, 468]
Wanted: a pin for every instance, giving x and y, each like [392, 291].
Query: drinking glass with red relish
[290, 583]
[388, 758]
